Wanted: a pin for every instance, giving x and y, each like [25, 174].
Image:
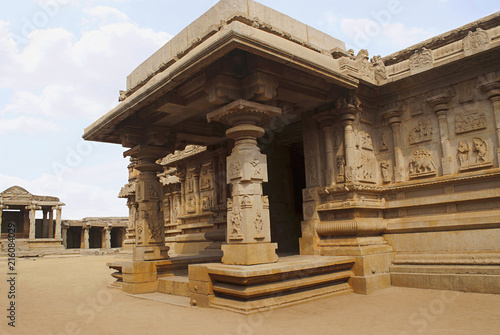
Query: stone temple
[270, 165]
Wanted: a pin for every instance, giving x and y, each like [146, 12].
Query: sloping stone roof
[19, 193]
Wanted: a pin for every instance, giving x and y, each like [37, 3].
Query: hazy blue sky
[62, 63]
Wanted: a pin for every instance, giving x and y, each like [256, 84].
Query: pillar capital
[439, 99]
[392, 112]
[147, 156]
[326, 119]
[490, 84]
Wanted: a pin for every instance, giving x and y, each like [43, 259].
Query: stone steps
[177, 284]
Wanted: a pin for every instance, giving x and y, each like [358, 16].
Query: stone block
[370, 284]
[138, 267]
[308, 245]
[201, 287]
[201, 300]
[372, 264]
[138, 288]
[139, 277]
[198, 272]
[150, 253]
[249, 254]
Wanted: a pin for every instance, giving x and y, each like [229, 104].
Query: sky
[63, 62]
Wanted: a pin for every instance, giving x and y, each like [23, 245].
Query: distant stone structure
[378, 172]
[18, 206]
[94, 233]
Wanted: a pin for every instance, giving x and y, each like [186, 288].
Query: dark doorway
[73, 237]
[95, 238]
[286, 170]
[12, 216]
[116, 237]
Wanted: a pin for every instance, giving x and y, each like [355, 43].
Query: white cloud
[58, 75]
[106, 13]
[363, 33]
[27, 125]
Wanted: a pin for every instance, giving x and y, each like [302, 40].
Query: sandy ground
[69, 295]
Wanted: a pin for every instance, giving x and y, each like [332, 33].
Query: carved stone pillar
[45, 223]
[196, 189]
[86, 237]
[393, 116]
[347, 110]
[150, 229]
[182, 180]
[326, 120]
[58, 222]
[490, 84]
[248, 223]
[51, 223]
[129, 241]
[32, 208]
[65, 237]
[1, 212]
[439, 101]
[107, 237]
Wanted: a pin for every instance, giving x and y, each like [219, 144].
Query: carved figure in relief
[246, 202]
[206, 202]
[465, 122]
[384, 140]
[258, 225]
[229, 204]
[265, 202]
[236, 218]
[191, 204]
[476, 41]
[340, 169]
[379, 66]
[422, 164]
[421, 133]
[384, 168]
[463, 153]
[364, 140]
[234, 169]
[256, 167]
[365, 168]
[480, 148]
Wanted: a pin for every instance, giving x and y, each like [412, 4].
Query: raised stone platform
[255, 288]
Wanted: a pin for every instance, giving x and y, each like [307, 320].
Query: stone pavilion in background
[252, 135]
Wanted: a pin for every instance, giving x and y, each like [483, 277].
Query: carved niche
[421, 60]
[259, 224]
[206, 203]
[340, 169]
[191, 204]
[421, 133]
[469, 121]
[363, 140]
[365, 169]
[421, 164]
[384, 169]
[476, 41]
[383, 140]
[206, 177]
[246, 202]
[473, 154]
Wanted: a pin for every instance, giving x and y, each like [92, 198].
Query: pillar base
[250, 253]
[150, 253]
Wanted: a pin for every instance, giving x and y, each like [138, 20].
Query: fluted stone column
[248, 223]
[326, 120]
[439, 103]
[150, 228]
[490, 84]
[393, 116]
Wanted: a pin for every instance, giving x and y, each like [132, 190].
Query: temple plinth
[248, 223]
